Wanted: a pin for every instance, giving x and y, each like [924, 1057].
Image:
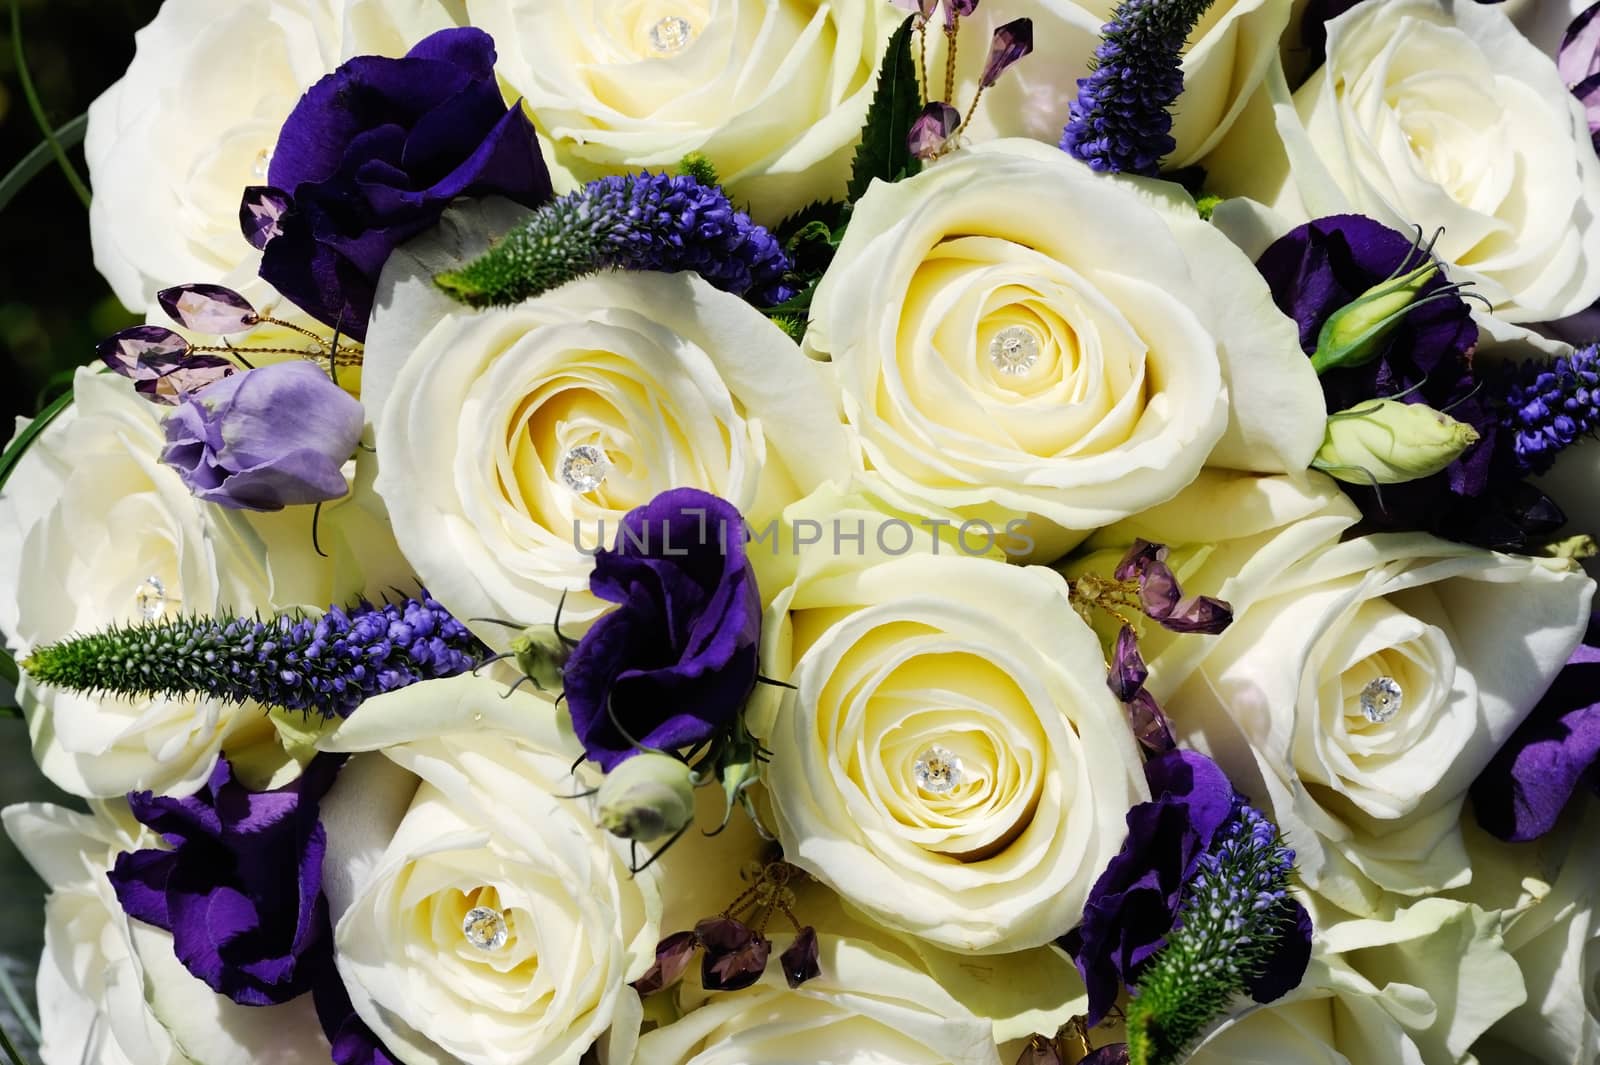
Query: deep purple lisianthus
[374, 153]
[672, 665]
[265, 439]
[241, 888]
[1522, 791]
[1134, 902]
[352, 1042]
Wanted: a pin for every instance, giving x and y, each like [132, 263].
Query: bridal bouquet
[740, 532]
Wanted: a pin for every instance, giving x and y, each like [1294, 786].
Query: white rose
[108, 534]
[671, 381]
[1443, 115]
[774, 95]
[1358, 696]
[111, 990]
[469, 808]
[173, 144]
[951, 761]
[1016, 335]
[1224, 61]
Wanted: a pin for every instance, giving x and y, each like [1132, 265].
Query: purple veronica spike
[933, 129]
[672, 961]
[1546, 407]
[1011, 42]
[1579, 57]
[800, 960]
[735, 956]
[209, 309]
[261, 214]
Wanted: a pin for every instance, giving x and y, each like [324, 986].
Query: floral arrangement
[932, 532]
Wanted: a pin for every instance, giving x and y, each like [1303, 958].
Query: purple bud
[1040, 1051]
[260, 213]
[209, 309]
[932, 129]
[1110, 1054]
[1150, 726]
[672, 960]
[800, 960]
[1199, 613]
[1011, 42]
[142, 351]
[1579, 57]
[1128, 671]
[735, 956]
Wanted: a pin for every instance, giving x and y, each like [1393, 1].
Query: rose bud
[265, 439]
[542, 655]
[646, 797]
[1387, 442]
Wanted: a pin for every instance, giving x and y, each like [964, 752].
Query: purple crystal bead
[735, 956]
[209, 309]
[958, 8]
[1110, 1054]
[1162, 599]
[260, 214]
[1011, 42]
[190, 376]
[932, 129]
[1041, 1051]
[1149, 725]
[1128, 671]
[672, 961]
[800, 960]
[139, 351]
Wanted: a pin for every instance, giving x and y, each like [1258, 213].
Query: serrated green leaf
[883, 152]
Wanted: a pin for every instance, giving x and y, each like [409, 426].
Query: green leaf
[37, 107]
[19, 447]
[883, 152]
[699, 167]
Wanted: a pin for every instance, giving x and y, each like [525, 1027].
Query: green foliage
[550, 249]
[1206, 205]
[699, 167]
[19, 446]
[884, 152]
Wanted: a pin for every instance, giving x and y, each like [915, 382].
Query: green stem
[68, 136]
[11, 1052]
[37, 107]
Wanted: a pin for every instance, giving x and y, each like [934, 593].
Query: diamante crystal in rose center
[485, 928]
[1014, 350]
[671, 35]
[150, 598]
[937, 770]
[1381, 700]
[584, 468]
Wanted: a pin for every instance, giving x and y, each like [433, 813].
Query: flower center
[938, 770]
[1381, 700]
[671, 35]
[584, 468]
[1014, 350]
[485, 928]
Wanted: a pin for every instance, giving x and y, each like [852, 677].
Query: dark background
[53, 308]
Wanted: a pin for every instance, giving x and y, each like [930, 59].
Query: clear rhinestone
[1381, 700]
[151, 598]
[485, 928]
[263, 164]
[584, 468]
[671, 34]
[937, 770]
[1014, 350]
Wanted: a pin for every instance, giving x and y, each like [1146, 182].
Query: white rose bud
[648, 796]
[1387, 442]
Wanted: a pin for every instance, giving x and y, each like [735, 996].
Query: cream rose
[508, 438]
[111, 990]
[173, 144]
[773, 94]
[480, 914]
[108, 534]
[951, 761]
[1227, 55]
[1361, 692]
[1443, 115]
[1015, 335]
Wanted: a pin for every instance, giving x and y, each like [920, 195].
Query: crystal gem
[584, 468]
[1014, 350]
[932, 130]
[1381, 700]
[671, 34]
[150, 597]
[263, 163]
[143, 351]
[261, 214]
[485, 928]
[209, 309]
[937, 770]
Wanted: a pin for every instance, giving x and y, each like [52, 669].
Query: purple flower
[373, 154]
[1523, 790]
[673, 664]
[241, 888]
[352, 1042]
[265, 439]
[1134, 902]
